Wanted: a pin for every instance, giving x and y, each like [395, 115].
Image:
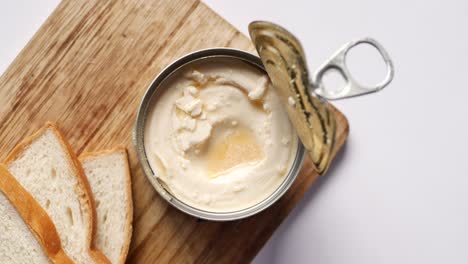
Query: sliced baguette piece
[108, 173]
[27, 234]
[47, 168]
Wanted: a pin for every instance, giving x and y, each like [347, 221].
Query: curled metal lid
[305, 99]
[284, 61]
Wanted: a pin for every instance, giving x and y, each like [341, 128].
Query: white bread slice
[27, 234]
[17, 243]
[46, 167]
[108, 173]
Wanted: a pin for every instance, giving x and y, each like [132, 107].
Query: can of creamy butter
[153, 94]
[197, 131]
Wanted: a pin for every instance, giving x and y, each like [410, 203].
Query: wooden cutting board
[87, 69]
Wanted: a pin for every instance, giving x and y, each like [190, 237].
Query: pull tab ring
[352, 87]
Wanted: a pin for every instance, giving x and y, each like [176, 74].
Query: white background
[399, 191]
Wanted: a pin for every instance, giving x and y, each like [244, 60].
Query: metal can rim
[138, 139]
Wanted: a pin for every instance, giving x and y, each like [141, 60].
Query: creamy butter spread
[218, 137]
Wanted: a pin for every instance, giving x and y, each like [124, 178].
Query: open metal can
[283, 60]
[156, 88]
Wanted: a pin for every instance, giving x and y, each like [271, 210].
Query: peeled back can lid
[305, 101]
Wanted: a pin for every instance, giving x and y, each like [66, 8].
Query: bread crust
[122, 150]
[34, 216]
[87, 199]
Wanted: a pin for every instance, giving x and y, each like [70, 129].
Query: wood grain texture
[87, 69]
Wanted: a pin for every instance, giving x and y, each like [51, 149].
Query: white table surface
[398, 193]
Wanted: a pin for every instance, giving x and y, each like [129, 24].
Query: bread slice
[108, 173]
[46, 167]
[32, 240]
